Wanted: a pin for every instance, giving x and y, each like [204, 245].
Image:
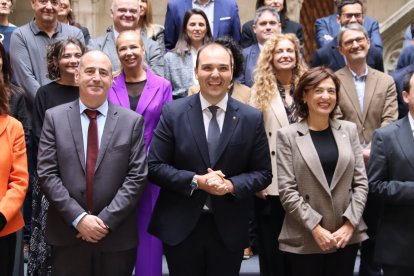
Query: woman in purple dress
[138, 88]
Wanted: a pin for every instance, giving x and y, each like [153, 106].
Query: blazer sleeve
[359, 184]
[130, 191]
[321, 30]
[247, 35]
[171, 27]
[154, 57]
[375, 36]
[381, 186]
[390, 110]
[161, 156]
[235, 32]
[17, 184]
[292, 201]
[259, 170]
[49, 176]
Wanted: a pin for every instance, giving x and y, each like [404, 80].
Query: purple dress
[156, 93]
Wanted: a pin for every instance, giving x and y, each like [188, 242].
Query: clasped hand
[328, 241]
[91, 229]
[213, 182]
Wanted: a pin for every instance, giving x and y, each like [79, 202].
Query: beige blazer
[380, 102]
[305, 194]
[241, 92]
[274, 117]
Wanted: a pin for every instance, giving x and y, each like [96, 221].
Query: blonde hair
[265, 84]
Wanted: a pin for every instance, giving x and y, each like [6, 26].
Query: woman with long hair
[146, 27]
[278, 70]
[14, 179]
[248, 36]
[322, 182]
[180, 61]
[63, 58]
[139, 89]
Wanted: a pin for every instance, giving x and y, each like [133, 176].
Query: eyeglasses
[350, 15]
[359, 40]
[52, 2]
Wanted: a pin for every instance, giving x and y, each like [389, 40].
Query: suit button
[270, 134]
[307, 197]
[273, 152]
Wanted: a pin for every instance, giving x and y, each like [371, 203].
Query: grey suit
[180, 72]
[305, 193]
[120, 175]
[153, 53]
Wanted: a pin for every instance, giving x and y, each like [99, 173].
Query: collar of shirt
[411, 120]
[362, 77]
[260, 47]
[201, 4]
[103, 109]
[116, 34]
[35, 29]
[221, 104]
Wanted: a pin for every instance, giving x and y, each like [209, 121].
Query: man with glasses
[29, 43]
[369, 99]
[326, 28]
[349, 11]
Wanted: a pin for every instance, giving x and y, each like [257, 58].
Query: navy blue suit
[398, 76]
[329, 56]
[226, 20]
[329, 26]
[251, 55]
[406, 57]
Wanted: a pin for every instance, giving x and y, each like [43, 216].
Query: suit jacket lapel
[350, 91]
[370, 84]
[308, 151]
[405, 137]
[196, 122]
[278, 109]
[110, 123]
[76, 130]
[121, 92]
[342, 140]
[150, 90]
[231, 120]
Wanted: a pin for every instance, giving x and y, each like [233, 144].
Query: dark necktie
[213, 136]
[91, 155]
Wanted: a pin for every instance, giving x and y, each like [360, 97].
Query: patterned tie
[213, 134]
[91, 155]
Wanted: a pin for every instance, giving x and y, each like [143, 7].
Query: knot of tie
[213, 109]
[92, 114]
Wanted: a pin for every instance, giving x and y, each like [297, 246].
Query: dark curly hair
[310, 80]
[236, 50]
[54, 53]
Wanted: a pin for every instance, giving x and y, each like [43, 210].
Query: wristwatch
[194, 184]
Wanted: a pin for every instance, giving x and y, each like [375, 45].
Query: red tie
[91, 155]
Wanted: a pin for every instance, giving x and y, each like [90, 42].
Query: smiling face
[130, 50]
[5, 7]
[351, 14]
[214, 72]
[143, 8]
[354, 46]
[45, 11]
[94, 78]
[125, 14]
[196, 29]
[277, 4]
[321, 100]
[266, 26]
[284, 57]
[64, 8]
[69, 61]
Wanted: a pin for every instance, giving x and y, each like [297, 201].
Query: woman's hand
[324, 238]
[343, 234]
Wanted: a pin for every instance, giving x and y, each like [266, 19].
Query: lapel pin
[234, 117]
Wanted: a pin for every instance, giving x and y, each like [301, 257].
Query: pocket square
[225, 18]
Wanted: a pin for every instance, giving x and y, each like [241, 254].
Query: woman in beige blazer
[278, 70]
[322, 182]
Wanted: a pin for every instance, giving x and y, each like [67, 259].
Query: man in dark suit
[398, 76]
[209, 155]
[326, 28]
[349, 11]
[266, 22]
[391, 180]
[223, 16]
[92, 169]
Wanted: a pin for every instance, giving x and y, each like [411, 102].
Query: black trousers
[339, 263]
[269, 216]
[393, 270]
[7, 249]
[85, 259]
[203, 253]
